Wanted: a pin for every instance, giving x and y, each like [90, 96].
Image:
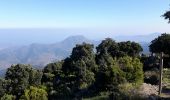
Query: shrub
[34, 93]
[7, 97]
[132, 67]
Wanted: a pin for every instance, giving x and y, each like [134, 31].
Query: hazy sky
[97, 17]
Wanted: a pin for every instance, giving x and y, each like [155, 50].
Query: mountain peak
[75, 39]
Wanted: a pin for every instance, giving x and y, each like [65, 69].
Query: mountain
[145, 46]
[40, 54]
[138, 38]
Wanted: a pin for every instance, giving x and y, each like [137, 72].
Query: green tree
[53, 79]
[161, 44]
[129, 49]
[34, 93]
[20, 77]
[54, 68]
[118, 63]
[85, 53]
[50, 72]
[166, 15]
[108, 46]
[3, 86]
[109, 74]
[119, 49]
[80, 68]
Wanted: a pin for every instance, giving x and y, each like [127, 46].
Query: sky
[92, 18]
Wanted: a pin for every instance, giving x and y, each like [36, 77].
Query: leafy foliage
[129, 49]
[34, 93]
[119, 49]
[161, 44]
[3, 86]
[108, 46]
[20, 77]
[132, 68]
[166, 15]
[7, 97]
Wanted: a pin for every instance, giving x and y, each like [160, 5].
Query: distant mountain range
[41, 54]
[138, 38]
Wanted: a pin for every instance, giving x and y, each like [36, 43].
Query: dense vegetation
[86, 73]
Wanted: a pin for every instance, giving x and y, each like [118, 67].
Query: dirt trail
[148, 89]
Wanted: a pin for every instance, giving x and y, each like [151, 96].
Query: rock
[148, 90]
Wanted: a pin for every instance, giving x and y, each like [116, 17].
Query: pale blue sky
[97, 17]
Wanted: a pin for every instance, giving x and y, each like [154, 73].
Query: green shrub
[34, 93]
[7, 97]
[132, 67]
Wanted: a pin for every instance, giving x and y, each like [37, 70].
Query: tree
[3, 86]
[82, 58]
[51, 72]
[166, 15]
[54, 79]
[85, 52]
[161, 44]
[80, 68]
[108, 46]
[129, 49]
[117, 63]
[34, 93]
[119, 49]
[20, 77]
[54, 68]
[107, 80]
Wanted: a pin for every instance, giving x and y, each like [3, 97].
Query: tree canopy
[161, 44]
[20, 77]
[166, 15]
[119, 49]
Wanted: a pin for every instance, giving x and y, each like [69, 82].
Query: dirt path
[148, 89]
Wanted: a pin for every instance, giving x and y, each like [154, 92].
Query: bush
[34, 93]
[8, 97]
[132, 67]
